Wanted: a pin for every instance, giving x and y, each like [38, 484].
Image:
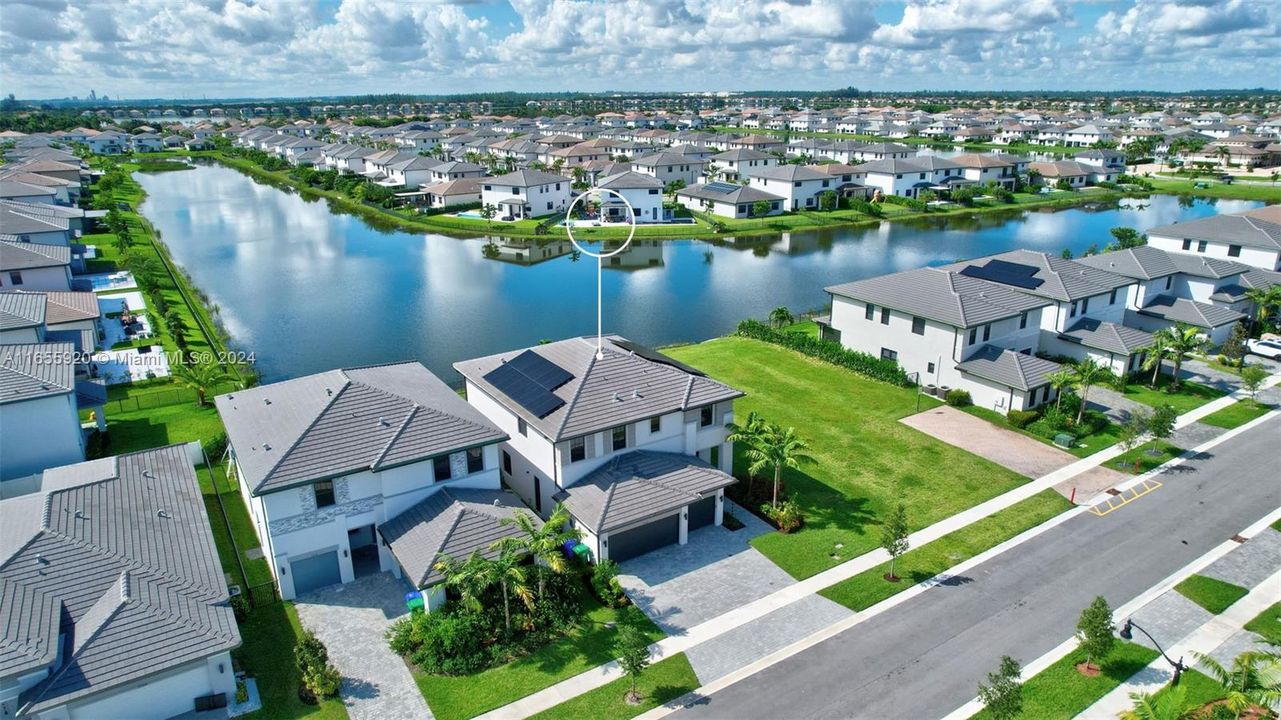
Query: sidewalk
[603, 674]
[1209, 637]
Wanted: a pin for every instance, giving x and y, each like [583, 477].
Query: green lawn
[456, 698]
[1236, 414]
[155, 427]
[1060, 692]
[267, 655]
[1189, 396]
[662, 682]
[870, 586]
[1083, 447]
[1199, 689]
[1242, 191]
[1211, 594]
[866, 459]
[1147, 456]
[1267, 624]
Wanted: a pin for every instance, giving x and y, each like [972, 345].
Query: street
[925, 657]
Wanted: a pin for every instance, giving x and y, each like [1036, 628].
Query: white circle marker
[600, 257]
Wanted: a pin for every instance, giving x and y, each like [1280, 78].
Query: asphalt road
[925, 657]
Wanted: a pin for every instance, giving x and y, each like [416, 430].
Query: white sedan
[1266, 348]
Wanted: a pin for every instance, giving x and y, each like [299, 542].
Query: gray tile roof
[621, 387]
[1147, 263]
[27, 256]
[1202, 315]
[638, 486]
[526, 178]
[1064, 280]
[35, 370]
[1106, 336]
[124, 545]
[346, 421]
[21, 310]
[1260, 278]
[1009, 368]
[452, 522]
[1245, 230]
[64, 307]
[629, 179]
[741, 154]
[941, 295]
[788, 173]
[738, 193]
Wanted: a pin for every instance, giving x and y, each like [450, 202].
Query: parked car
[1266, 348]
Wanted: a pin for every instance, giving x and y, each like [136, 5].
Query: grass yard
[870, 586]
[456, 698]
[1189, 396]
[156, 427]
[1084, 446]
[267, 655]
[1211, 594]
[1199, 689]
[1060, 692]
[1267, 624]
[866, 460]
[1237, 414]
[1241, 191]
[662, 682]
[1145, 457]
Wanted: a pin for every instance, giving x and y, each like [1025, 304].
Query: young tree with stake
[1094, 633]
[894, 533]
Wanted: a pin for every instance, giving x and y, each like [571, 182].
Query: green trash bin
[582, 552]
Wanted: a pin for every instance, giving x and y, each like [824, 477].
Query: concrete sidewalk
[740, 616]
[1213, 634]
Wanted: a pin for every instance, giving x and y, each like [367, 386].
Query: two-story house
[644, 193]
[326, 461]
[632, 442]
[733, 165]
[40, 407]
[1252, 237]
[34, 266]
[526, 194]
[670, 167]
[798, 185]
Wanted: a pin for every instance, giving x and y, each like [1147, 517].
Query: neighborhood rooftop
[942, 295]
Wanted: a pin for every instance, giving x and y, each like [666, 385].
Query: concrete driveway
[1017, 452]
[350, 620]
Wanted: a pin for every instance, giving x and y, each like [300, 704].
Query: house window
[577, 449]
[618, 438]
[1169, 280]
[440, 467]
[987, 332]
[974, 335]
[521, 427]
[507, 462]
[705, 416]
[1187, 244]
[1085, 306]
[888, 354]
[869, 311]
[655, 424]
[1112, 297]
[1234, 251]
[15, 277]
[918, 325]
[324, 493]
[885, 316]
[929, 368]
[1073, 311]
[1023, 320]
[1201, 245]
[475, 460]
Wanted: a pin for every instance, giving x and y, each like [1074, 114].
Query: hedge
[828, 351]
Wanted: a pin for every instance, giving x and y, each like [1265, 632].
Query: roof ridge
[347, 383]
[578, 391]
[413, 411]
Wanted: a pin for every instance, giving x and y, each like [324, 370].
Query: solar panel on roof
[1007, 273]
[722, 187]
[540, 369]
[523, 391]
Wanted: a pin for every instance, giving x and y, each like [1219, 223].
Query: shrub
[956, 397]
[241, 607]
[787, 516]
[446, 642]
[1022, 418]
[605, 583]
[828, 351]
[242, 692]
[215, 446]
[310, 652]
[322, 681]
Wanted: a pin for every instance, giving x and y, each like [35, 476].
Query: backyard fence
[164, 397]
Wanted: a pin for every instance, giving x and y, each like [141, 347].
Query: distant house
[1106, 159]
[1252, 237]
[107, 143]
[991, 168]
[34, 266]
[118, 603]
[799, 186]
[1075, 174]
[733, 165]
[669, 167]
[146, 142]
[643, 193]
[40, 408]
[728, 199]
[450, 192]
[526, 194]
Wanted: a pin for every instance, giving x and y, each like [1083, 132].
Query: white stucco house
[1252, 237]
[34, 266]
[733, 165]
[670, 167]
[526, 194]
[40, 409]
[327, 462]
[798, 185]
[729, 200]
[634, 444]
[644, 193]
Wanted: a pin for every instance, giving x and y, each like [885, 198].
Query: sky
[292, 48]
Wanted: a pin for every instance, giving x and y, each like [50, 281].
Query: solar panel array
[1007, 273]
[722, 187]
[529, 379]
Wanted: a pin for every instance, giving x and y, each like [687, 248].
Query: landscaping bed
[1189, 396]
[1095, 433]
[866, 461]
[664, 681]
[1145, 457]
[269, 634]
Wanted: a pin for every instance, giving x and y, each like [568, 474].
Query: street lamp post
[1178, 665]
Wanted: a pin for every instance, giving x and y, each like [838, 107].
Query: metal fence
[259, 595]
[147, 400]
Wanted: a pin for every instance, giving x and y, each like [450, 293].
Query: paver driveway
[350, 620]
[1019, 453]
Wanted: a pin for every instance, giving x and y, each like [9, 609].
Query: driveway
[350, 620]
[1007, 448]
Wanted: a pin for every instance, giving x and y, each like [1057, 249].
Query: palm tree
[749, 434]
[544, 541]
[1225, 154]
[469, 579]
[1248, 681]
[508, 571]
[1060, 381]
[1265, 302]
[1172, 704]
[778, 448]
[1086, 374]
[1155, 353]
[201, 377]
[1184, 340]
[781, 316]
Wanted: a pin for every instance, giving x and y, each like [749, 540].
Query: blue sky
[221, 48]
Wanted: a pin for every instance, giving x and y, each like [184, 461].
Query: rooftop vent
[266, 401]
[329, 392]
[266, 446]
[162, 513]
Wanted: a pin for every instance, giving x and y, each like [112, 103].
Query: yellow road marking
[1116, 502]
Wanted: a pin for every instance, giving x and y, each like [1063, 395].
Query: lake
[308, 290]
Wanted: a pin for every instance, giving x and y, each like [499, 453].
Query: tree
[927, 196]
[1060, 380]
[1094, 631]
[779, 448]
[1250, 681]
[509, 572]
[1132, 431]
[1002, 694]
[1183, 340]
[828, 200]
[545, 541]
[1126, 238]
[1252, 377]
[1161, 421]
[749, 435]
[894, 537]
[469, 578]
[760, 208]
[488, 212]
[1266, 303]
[1233, 349]
[1086, 374]
[1154, 353]
[633, 657]
[781, 316]
[1169, 704]
[201, 377]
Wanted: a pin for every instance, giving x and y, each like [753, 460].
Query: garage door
[638, 541]
[702, 513]
[314, 572]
